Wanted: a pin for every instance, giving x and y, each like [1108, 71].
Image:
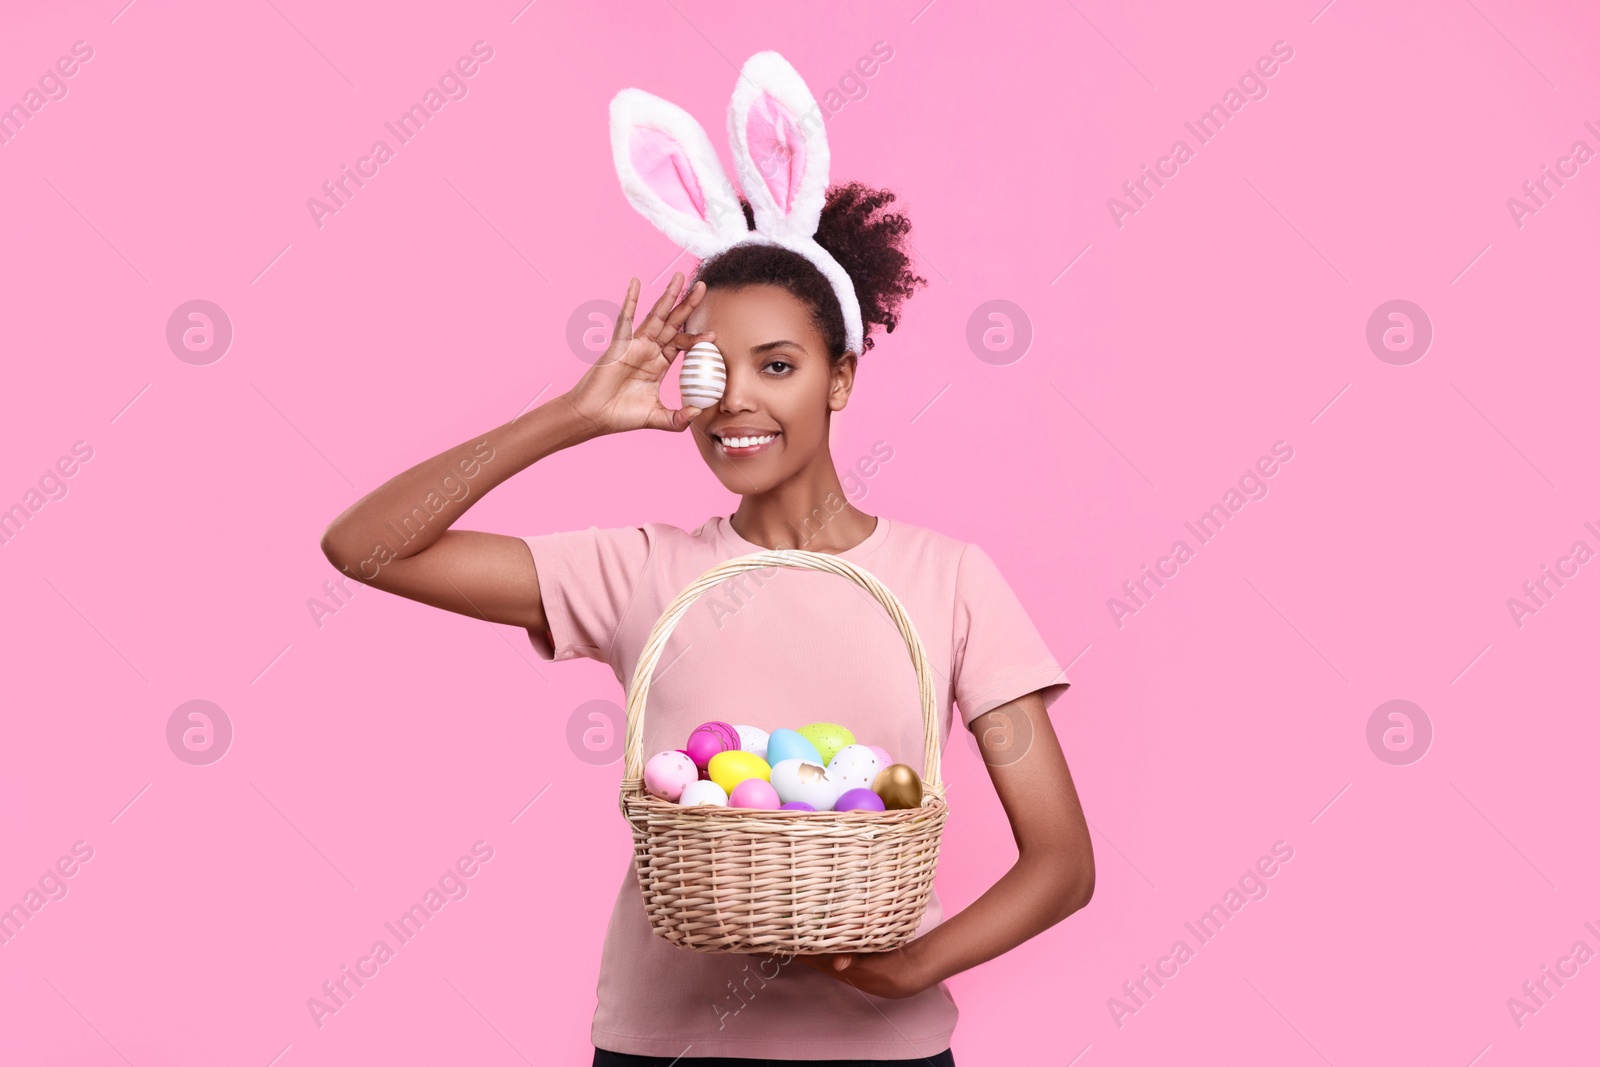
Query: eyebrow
[761, 350]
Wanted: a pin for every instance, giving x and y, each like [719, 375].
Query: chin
[742, 486]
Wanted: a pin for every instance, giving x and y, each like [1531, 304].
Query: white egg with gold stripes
[703, 376]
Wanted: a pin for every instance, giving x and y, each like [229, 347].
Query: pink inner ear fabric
[777, 148]
[664, 165]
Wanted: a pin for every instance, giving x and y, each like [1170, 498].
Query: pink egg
[667, 773]
[708, 739]
[859, 800]
[754, 793]
[882, 754]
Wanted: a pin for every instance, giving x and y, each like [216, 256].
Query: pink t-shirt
[779, 648]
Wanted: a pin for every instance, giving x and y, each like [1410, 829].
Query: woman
[768, 652]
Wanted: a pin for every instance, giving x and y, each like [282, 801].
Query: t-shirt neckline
[874, 539]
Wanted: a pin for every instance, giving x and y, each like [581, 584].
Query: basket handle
[800, 559]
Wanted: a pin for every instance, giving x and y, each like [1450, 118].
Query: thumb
[684, 416]
[841, 962]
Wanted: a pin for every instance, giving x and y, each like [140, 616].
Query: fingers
[683, 342]
[624, 327]
[652, 325]
[680, 314]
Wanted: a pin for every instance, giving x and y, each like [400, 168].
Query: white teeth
[746, 442]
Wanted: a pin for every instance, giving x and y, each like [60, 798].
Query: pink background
[1228, 313]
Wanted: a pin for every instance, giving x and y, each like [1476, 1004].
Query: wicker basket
[718, 879]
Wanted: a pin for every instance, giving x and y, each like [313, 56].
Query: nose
[738, 392]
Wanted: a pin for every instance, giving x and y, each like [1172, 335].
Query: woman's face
[780, 386]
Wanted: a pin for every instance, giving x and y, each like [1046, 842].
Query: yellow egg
[829, 737]
[728, 769]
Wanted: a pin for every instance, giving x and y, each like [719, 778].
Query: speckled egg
[752, 739]
[854, 767]
[668, 773]
[829, 737]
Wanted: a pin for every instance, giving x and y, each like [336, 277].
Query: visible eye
[779, 363]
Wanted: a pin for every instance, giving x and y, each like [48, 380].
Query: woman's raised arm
[398, 537]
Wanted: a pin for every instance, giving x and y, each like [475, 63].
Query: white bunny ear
[780, 151]
[671, 174]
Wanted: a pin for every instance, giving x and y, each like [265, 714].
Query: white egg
[798, 779]
[705, 791]
[752, 739]
[703, 376]
[854, 767]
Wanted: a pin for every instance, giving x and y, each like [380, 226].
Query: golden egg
[899, 786]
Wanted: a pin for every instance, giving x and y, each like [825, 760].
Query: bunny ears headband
[671, 174]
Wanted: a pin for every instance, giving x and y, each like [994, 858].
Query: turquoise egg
[789, 744]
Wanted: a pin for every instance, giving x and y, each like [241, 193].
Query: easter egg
[854, 767]
[805, 781]
[728, 769]
[703, 376]
[858, 800]
[667, 773]
[788, 744]
[754, 793]
[797, 805]
[753, 739]
[899, 786]
[703, 775]
[700, 794]
[882, 754]
[829, 737]
[708, 739]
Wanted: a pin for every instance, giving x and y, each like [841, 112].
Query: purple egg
[859, 800]
[708, 739]
[797, 805]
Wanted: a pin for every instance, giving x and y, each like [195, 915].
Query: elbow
[333, 548]
[1077, 885]
[1083, 887]
[330, 549]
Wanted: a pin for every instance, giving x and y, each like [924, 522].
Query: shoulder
[931, 552]
[929, 545]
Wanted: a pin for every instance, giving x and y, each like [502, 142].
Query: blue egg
[788, 744]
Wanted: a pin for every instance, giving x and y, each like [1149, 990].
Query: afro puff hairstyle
[867, 245]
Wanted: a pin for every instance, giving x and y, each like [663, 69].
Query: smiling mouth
[744, 446]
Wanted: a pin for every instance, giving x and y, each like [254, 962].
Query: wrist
[581, 423]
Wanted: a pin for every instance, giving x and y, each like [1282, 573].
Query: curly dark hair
[867, 246]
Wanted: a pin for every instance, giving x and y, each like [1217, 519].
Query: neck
[809, 511]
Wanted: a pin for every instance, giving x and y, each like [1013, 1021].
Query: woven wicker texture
[718, 879]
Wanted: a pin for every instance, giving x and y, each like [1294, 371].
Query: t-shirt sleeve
[587, 580]
[999, 653]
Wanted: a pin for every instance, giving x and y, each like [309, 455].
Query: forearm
[456, 479]
[1035, 894]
